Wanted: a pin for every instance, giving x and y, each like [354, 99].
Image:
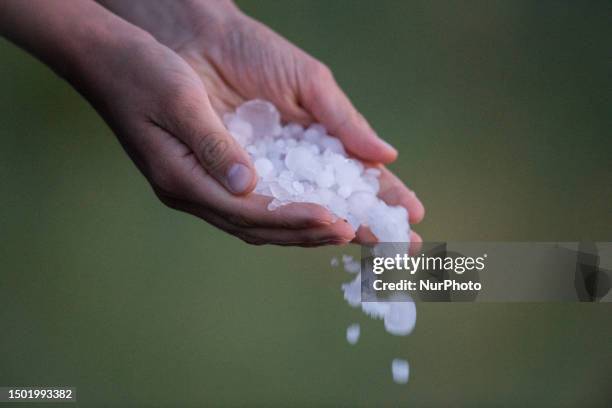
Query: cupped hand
[161, 113]
[236, 59]
[242, 59]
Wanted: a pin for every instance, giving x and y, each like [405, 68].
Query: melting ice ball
[400, 316]
[400, 370]
[295, 164]
[352, 333]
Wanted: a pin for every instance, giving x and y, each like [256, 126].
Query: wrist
[101, 46]
[104, 57]
[70, 37]
[178, 22]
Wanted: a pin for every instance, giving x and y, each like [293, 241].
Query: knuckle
[180, 104]
[242, 220]
[320, 71]
[250, 239]
[166, 200]
[319, 79]
[343, 119]
[164, 181]
[213, 150]
[185, 100]
[285, 222]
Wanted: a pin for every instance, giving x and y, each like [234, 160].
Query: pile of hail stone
[297, 164]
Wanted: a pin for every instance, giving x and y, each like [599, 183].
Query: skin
[162, 72]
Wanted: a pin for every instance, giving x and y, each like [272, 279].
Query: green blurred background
[502, 113]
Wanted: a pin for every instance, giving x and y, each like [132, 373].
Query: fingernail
[239, 178]
[322, 222]
[388, 145]
[331, 241]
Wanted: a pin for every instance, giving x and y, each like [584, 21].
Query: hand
[161, 113]
[238, 59]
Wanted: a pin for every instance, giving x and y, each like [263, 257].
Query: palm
[252, 62]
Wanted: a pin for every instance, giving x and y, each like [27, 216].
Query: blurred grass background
[501, 111]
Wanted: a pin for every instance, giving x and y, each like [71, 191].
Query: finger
[416, 243]
[253, 211]
[190, 117]
[322, 96]
[364, 236]
[394, 192]
[337, 233]
[177, 173]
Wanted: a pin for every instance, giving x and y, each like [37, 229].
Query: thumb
[324, 99]
[197, 125]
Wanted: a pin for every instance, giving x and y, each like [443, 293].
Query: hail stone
[352, 333]
[263, 117]
[264, 167]
[400, 370]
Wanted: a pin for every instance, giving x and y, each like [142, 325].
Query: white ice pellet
[312, 135]
[332, 144]
[325, 178]
[298, 187]
[359, 205]
[302, 162]
[347, 172]
[373, 172]
[319, 128]
[400, 317]
[263, 117]
[345, 191]
[239, 128]
[350, 264]
[352, 333]
[400, 370]
[278, 192]
[293, 130]
[264, 167]
[352, 292]
[376, 310]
